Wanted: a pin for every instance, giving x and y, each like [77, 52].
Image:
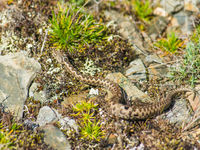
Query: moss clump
[15, 135]
[89, 127]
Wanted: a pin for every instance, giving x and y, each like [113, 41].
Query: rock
[94, 91]
[132, 91]
[182, 20]
[160, 12]
[74, 99]
[128, 29]
[136, 70]
[172, 6]
[17, 72]
[158, 25]
[178, 114]
[40, 96]
[55, 138]
[47, 115]
[67, 123]
[191, 5]
[152, 59]
[158, 71]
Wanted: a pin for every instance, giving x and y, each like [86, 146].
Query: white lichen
[90, 68]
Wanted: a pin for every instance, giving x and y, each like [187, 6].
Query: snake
[137, 111]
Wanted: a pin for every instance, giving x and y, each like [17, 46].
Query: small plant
[142, 9]
[84, 107]
[91, 131]
[78, 2]
[189, 70]
[90, 128]
[5, 138]
[71, 28]
[196, 35]
[170, 44]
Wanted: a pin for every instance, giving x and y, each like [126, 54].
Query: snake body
[136, 112]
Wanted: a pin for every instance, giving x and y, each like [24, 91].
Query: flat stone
[178, 114]
[17, 72]
[171, 5]
[128, 29]
[67, 123]
[132, 91]
[136, 70]
[55, 138]
[158, 25]
[47, 115]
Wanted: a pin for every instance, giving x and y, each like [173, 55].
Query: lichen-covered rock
[47, 115]
[17, 72]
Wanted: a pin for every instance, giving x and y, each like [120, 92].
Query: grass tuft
[170, 44]
[142, 9]
[72, 28]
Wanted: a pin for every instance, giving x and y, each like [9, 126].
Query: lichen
[90, 68]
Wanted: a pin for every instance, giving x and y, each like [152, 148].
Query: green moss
[89, 127]
[14, 135]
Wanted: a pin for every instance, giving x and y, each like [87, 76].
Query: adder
[134, 112]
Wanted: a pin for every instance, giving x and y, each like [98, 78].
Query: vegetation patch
[90, 128]
[170, 44]
[72, 28]
[189, 68]
[142, 9]
[15, 135]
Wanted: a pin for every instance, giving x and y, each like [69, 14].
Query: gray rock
[128, 30]
[172, 5]
[178, 114]
[158, 25]
[136, 70]
[184, 20]
[47, 115]
[55, 138]
[40, 96]
[153, 59]
[132, 91]
[17, 72]
[67, 123]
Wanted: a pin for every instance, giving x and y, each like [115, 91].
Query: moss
[15, 135]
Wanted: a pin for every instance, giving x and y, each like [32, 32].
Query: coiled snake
[135, 112]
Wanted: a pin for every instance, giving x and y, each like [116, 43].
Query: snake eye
[126, 107]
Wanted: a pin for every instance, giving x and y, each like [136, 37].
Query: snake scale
[136, 112]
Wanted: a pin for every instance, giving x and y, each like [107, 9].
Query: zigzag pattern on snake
[135, 112]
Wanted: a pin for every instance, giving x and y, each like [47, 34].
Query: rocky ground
[148, 47]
